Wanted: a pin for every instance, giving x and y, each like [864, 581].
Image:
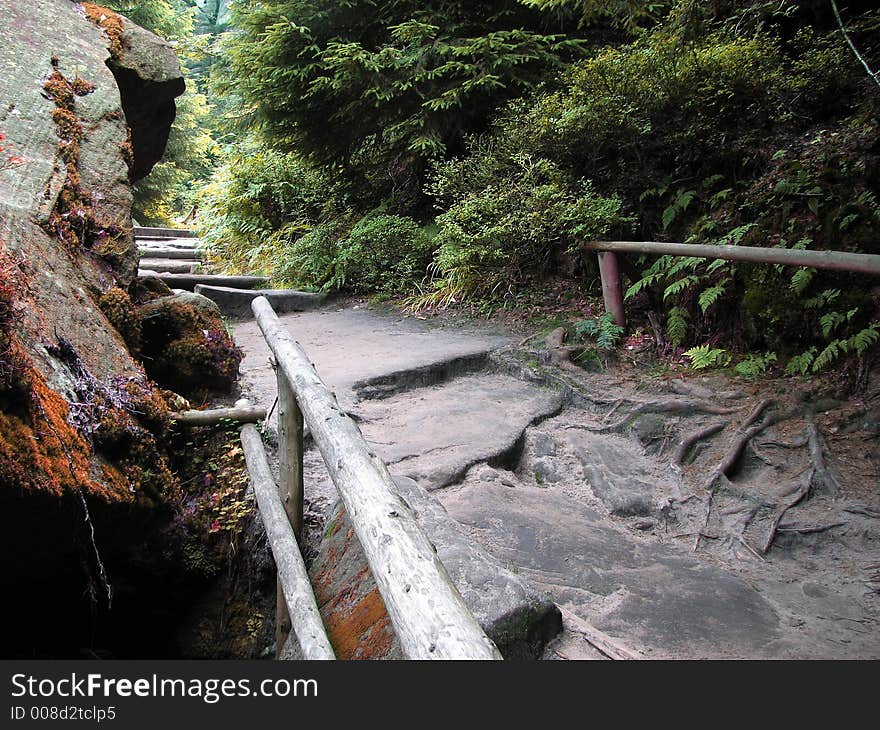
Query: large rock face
[80, 423]
[64, 283]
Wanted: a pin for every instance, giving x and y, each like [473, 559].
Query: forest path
[572, 479]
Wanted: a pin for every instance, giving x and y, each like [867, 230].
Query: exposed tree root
[680, 406]
[808, 529]
[692, 438]
[798, 496]
[709, 498]
[560, 356]
[748, 547]
[799, 444]
[734, 452]
[763, 457]
[824, 481]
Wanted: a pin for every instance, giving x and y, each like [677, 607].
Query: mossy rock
[186, 347]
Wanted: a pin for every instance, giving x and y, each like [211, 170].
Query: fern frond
[801, 280]
[705, 356]
[676, 325]
[712, 294]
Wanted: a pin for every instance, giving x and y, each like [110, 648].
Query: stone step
[171, 253]
[190, 281]
[435, 434]
[159, 232]
[237, 302]
[169, 242]
[169, 266]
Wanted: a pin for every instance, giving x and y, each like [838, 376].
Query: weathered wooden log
[242, 414]
[290, 484]
[292, 575]
[429, 615]
[171, 253]
[168, 266]
[153, 232]
[611, 292]
[861, 263]
[189, 281]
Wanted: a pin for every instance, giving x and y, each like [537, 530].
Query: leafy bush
[259, 203]
[510, 223]
[309, 260]
[381, 253]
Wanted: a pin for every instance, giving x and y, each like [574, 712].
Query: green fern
[642, 283]
[679, 286]
[586, 328]
[712, 294]
[831, 352]
[609, 333]
[676, 325]
[705, 356]
[606, 332]
[734, 237]
[679, 205]
[755, 365]
[830, 321]
[801, 280]
[821, 299]
[800, 364]
[862, 340]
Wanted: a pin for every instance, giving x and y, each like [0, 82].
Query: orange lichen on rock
[72, 222]
[41, 451]
[46, 448]
[358, 625]
[111, 23]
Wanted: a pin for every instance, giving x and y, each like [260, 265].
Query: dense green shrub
[719, 126]
[508, 220]
[258, 204]
[310, 260]
[380, 253]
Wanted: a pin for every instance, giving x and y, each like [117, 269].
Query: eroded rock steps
[570, 510]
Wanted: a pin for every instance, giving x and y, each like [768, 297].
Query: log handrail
[859, 263]
[293, 578]
[429, 615]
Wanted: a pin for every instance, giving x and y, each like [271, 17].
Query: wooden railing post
[290, 485]
[611, 287]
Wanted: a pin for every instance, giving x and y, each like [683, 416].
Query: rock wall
[81, 474]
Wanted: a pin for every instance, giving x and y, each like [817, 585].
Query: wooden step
[237, 302]
[171, 253]
[190, 281]
[169, 242]
[168, 266]
[154, 232]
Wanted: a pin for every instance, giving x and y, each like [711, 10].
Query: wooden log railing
[859, 263]
[295, 590]
[241, 413]
[430, 617]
